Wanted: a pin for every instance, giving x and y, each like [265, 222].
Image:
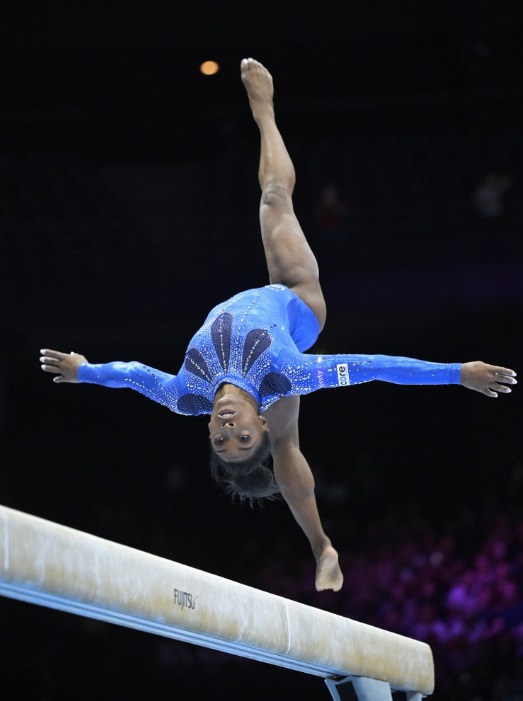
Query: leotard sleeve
[318, 372]
[155, 384]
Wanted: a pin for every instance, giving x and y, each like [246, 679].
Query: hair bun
[258, 484]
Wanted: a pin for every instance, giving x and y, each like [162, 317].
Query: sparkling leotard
[255, 340]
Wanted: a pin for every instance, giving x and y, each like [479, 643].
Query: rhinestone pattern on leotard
[255, 341]
[236, 344]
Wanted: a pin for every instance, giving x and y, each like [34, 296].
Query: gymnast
[246, 366]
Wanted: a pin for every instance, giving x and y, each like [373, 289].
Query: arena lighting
[209, 68]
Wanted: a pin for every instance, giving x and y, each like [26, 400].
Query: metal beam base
[363, 689]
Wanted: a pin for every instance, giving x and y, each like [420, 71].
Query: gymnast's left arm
[296, 482]
[318, 372]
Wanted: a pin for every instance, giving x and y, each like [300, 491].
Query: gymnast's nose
[228, 423]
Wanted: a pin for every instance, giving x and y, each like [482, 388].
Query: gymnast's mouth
[226, 414]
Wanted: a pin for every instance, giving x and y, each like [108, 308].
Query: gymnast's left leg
[289, 257]
[291, 262]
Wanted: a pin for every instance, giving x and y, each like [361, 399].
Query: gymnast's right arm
[73, 367]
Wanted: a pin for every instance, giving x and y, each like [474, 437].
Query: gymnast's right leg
[290, 259]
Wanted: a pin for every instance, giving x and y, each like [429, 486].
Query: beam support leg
[359, 689]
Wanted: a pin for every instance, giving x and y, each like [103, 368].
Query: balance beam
[61, 568]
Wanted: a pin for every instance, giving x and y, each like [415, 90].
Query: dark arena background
[129, 207]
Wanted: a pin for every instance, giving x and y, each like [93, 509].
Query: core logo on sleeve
[343, 374]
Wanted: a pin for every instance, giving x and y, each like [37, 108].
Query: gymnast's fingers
[503, 389]
[49, 355]
[488, 392]
[52, 367]
[502, 372]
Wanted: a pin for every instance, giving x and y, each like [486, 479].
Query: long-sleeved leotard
[255, 340]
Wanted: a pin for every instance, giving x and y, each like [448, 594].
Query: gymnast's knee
[276, 194]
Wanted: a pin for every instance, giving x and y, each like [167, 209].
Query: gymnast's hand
[63, 365]
[487, 379]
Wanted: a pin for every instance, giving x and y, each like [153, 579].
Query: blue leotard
[255, 340]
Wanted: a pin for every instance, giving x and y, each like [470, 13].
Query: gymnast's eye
[245, 437]
[218, 441]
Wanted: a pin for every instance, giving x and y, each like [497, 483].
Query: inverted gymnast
[246, 365]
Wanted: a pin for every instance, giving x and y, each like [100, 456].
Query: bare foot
[259, 86]
[328, 572]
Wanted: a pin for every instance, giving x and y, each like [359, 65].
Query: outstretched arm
[296, 482]
[73, 367]
[318, 372]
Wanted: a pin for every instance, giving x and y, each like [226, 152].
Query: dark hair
[251, 480]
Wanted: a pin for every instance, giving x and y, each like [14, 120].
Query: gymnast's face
[236, 431]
